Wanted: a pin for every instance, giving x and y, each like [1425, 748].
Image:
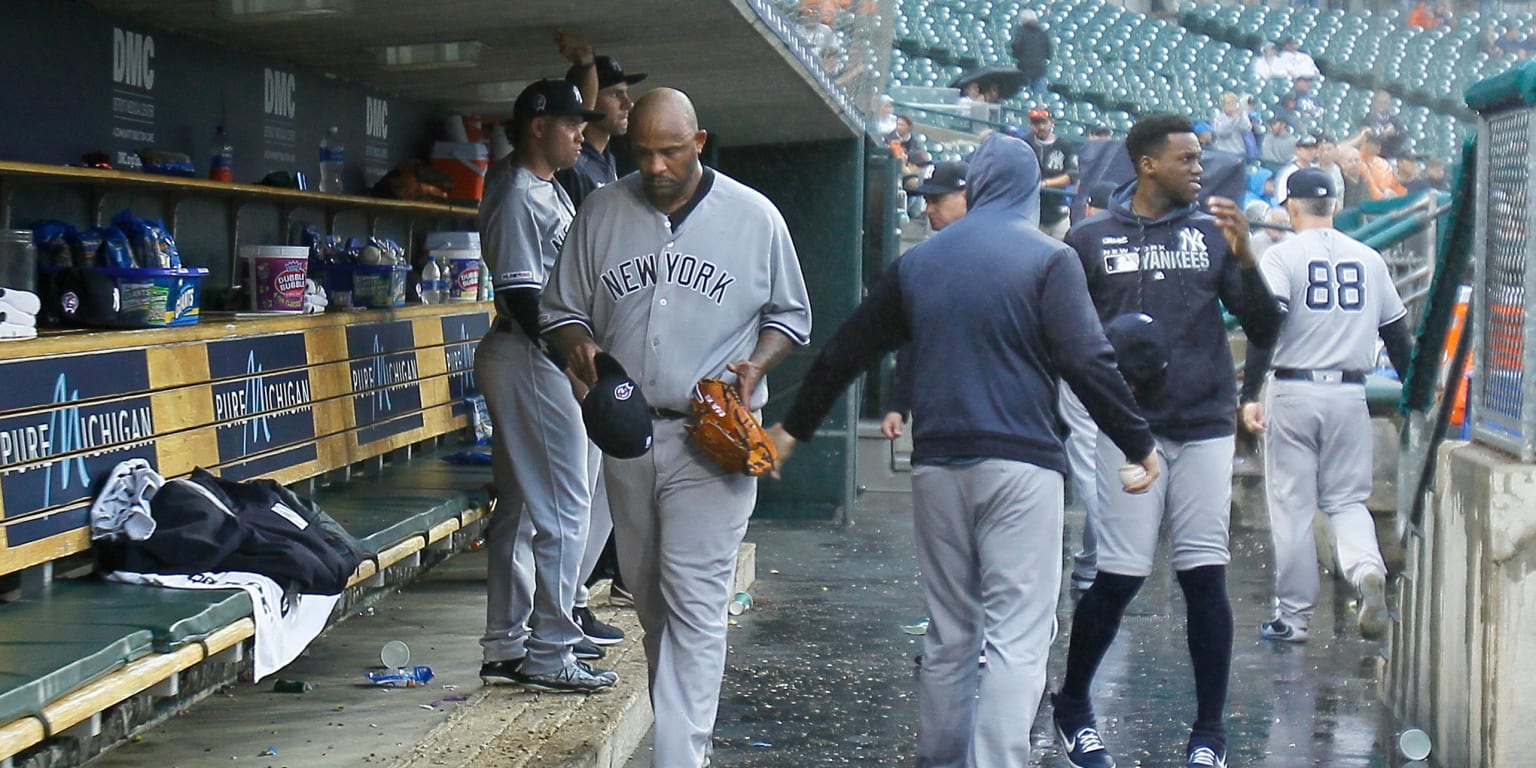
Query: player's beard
[667, 193]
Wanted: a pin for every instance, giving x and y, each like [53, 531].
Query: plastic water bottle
[400, 677]
[221, 167]
[331, 156]
[432, 285]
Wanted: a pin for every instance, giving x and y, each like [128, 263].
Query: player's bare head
[666, 142]
[1166, 155]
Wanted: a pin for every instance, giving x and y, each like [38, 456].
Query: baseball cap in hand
[609, 73]
[1141, 350]
[943, 178]
[551, 97]
[1309, 184]
[615, 412]
[1100, 193]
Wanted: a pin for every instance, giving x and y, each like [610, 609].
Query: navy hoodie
[1175, 268]
[992, 312]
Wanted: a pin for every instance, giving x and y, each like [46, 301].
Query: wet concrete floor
[820, 672]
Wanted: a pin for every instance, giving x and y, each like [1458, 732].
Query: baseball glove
[726, 430]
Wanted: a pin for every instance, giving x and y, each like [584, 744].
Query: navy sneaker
[1080, 740]
[596, 630]
[586, 650]
[1205, 756]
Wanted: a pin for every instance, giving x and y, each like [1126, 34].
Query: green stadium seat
[43, 657]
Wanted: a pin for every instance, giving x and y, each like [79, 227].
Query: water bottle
[331, 153]
[221, 167]
[400, 677]
[431, 283]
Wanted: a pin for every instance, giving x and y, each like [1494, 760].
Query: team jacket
[205, 523]
[1178, 270]
[992, 312]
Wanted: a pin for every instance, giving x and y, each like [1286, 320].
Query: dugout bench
[351, 409]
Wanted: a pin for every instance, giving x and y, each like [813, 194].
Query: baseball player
[540, 456]
[943, 193]
[1155, 252]
[595, 168]
[1081, 442]
[1338, 296]
[680, 273]
[987, 459]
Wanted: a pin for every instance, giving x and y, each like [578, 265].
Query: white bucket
[278, 274]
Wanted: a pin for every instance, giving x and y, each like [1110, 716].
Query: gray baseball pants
[1317, 457]
[987, 543]
[679, 519]
[1193, 493]
[1081, 445]
[539, 461]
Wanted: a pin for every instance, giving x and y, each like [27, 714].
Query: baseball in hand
[1131, 474]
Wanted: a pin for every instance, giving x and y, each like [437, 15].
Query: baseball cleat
[501, 672]
[576, 677]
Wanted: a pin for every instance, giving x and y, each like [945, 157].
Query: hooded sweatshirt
[1178, 269]
[992, 312]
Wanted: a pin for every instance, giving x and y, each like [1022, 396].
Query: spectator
[1058, 162]
[1380, 177]
[1411, 175]
[1355, 189]
[885, 116]
[1229, 125]
[1434, 172]
[821, 39]
[1295, 62]
[1384, 125]
[1261, 188]
[1421, 16]
[1280, 142]
[1287, 111]
[970, 93]
[1328, 160]
[1306, 98]
[1266, 236]
[900, 139]
[1306, 157]
[1267, 64]
[1031, 48]
[1204, 135]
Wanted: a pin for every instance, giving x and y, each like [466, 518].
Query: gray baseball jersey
[675, 307]
[1338, 292]
[523, 229]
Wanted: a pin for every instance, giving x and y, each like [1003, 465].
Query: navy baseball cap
[609, 73]
[615, 412]
[1141, 350]
[1307, 140]
[1100, 193]
[943, 178]
[1309, 184]
[551, 97]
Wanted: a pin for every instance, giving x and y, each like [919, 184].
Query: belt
[667, 414]
[1319, 376]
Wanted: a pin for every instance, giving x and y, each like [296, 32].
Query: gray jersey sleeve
[1277, 275]
[567, 297]
[509, 235]
[788, 309]
[1390, 307]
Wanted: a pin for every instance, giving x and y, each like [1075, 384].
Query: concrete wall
[1464, 653]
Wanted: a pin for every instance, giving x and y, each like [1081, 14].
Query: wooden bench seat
[292, 399]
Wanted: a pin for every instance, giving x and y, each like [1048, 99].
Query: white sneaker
[1373, 605]
[22, 301]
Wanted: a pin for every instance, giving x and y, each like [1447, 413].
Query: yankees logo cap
[617, 418]
[1309, 184]
[1141, 350]
[609, 73]
[551, 97]
[943, 178]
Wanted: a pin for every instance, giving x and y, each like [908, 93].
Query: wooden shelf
[68, 174]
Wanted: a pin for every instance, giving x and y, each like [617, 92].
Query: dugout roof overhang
[748, 87]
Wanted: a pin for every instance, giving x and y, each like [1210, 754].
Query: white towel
[285, 624]
[121, 509]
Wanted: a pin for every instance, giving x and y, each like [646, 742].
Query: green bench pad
[41, 660]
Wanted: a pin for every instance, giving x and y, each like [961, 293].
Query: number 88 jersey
[1336, 292]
